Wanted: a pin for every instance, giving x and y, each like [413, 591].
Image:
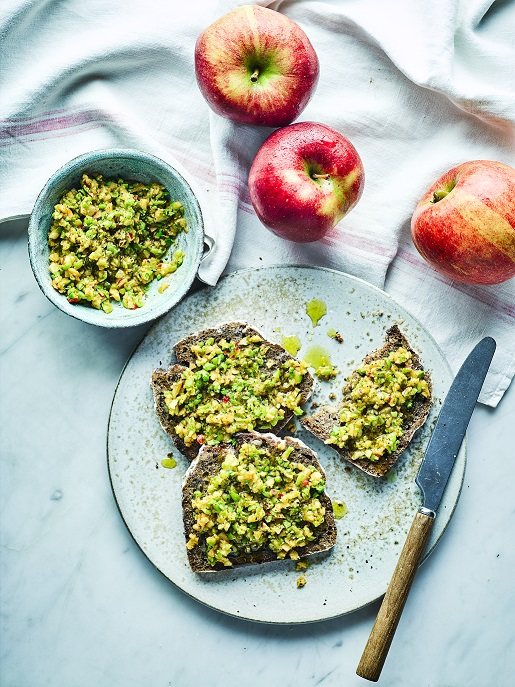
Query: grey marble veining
[82, 606]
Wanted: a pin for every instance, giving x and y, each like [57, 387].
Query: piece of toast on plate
[228, 379]
[260, 499]
[384, 403]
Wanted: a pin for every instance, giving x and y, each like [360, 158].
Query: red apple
[256, 66]
[464, 225]
[304, 179]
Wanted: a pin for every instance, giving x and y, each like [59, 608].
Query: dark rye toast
[208, 463]
[321, 423]
[231, 331]
[161, 381]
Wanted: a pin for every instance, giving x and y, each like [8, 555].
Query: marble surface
[82, 606]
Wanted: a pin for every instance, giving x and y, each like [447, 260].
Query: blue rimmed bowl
[130, 165]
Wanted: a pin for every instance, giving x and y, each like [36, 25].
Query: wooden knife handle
[378, 645]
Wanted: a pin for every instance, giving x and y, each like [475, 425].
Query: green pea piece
[110, 238]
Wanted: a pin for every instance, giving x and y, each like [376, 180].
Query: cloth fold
[418, 89]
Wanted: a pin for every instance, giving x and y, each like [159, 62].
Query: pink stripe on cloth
[236, 189]
[15, 130]
[89, 126]
[340, 237]
[44, 115]
[477, 292]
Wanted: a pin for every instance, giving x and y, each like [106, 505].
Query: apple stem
[254, 76]
[320, 176]
[440, 193]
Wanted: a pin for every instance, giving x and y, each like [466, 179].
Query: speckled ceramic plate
[380, 512]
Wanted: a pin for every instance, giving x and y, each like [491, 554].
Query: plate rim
[204, 287]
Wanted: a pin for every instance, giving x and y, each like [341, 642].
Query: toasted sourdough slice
[231, 331]
[208, 463]
[321, 423]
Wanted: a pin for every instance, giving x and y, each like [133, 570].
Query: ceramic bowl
[130, 165]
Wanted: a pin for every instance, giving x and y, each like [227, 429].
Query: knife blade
[452, 423]
[432, 478]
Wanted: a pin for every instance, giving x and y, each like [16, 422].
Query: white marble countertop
[82, 606]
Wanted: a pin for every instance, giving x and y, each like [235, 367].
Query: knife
[432, 478]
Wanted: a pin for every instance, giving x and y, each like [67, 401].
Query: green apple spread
[260, 498]
[377, 399]
[232, 386]
[108, 240]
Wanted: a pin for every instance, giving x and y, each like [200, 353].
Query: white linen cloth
[417, 86]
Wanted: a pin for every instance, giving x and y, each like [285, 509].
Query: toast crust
[321, 422]
[162, 379]
[208, 463]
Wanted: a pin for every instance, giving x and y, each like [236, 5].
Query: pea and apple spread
[233, 385]
[108, 240]
[262, 499]
[227, 379]
[377, 398]
[384, 401]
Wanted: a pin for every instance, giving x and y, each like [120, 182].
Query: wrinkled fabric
[418, 87]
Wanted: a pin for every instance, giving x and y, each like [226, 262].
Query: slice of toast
[161, 381]
[208, 463]
[321, 423]
[231, 331]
